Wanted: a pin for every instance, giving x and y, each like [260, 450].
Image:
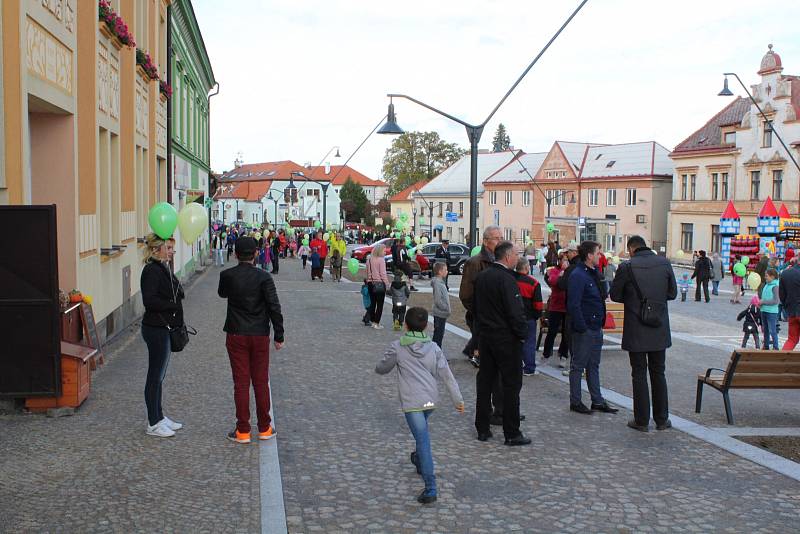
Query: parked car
[361, 253]
[459, 254]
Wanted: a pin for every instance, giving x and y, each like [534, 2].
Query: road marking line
[273, 511]
[751, 431]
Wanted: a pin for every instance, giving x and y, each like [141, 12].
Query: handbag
[378, 286]
[178, 335]
[649, 312]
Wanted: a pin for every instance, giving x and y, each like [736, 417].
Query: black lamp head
[391, 127]
[725, 91]
[337, 153]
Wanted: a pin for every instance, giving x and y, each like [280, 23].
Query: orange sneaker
[238, 437]
[268, 434]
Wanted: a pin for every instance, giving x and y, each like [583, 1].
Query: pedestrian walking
[769, 297]
[752, 322]
[366, 300]
[531, 294]
[336, 265]
[399, 292]
[501, 328]
[275, 251]
[316, 265]
[378, 282]
[702, 274]
[252, 306]
[218, 244]
[571, 252]
[789, 292]
[644, 284]
[304, 252]
[587, 312]
[322, 250]
[420, 363]
[540, 258]
[530, 255]
[737, 282]
[717, 273]
[400, 261]
[556, 313]
[551, 256]
[230, 240]
[441, 302]
[162, 296]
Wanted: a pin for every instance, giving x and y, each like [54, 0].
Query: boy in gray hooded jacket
[419, 364]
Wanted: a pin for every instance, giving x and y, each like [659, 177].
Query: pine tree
[354, 201]
[501, 139]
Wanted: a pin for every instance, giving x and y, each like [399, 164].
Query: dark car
[459, 254]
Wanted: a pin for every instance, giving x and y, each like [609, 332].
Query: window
[509, 197]
[724, 192]
[684, 186]
[714, 186]
[460, 209]
[630, 197]
[450, 207]
[687, 236]
[421, 209]
[767, 140]
[730, 138]
[508, 234]
[449, 232]
[693, 186]
[611, 197]
[461, 235]
[593, 194]
[610, 164]
[777, 184]
[440, 209]
[525, 233]
[609, 244]
[716, 241]
[526, 198]
[493, 198]
[755, 184]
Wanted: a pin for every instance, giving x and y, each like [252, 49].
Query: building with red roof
[734, 157]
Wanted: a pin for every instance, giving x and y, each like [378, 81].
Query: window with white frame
[611, 197]
[509, 198]
[593, 196]
[508, 234]
[493, 198]
[449, 232]
[461, 235]
[525, 233]
[630, 197]
[526, 198]
[460, 209]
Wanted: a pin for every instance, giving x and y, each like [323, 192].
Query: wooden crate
[76, 379]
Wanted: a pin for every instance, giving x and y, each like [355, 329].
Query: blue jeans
[586, 347]
[715, 287]
[159, 351]
[418, 423]
[529, 349]
[769, 322]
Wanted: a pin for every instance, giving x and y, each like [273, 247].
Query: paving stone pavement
[343, 447]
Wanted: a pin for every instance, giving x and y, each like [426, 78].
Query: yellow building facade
[85, 128]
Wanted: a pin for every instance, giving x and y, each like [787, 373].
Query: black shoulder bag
[649, 312]
[178, 335]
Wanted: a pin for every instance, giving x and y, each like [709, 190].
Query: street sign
[451, 216]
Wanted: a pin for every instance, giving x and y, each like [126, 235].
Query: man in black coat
[646, 345]
[501, 328]
[702, 273]
[252, 305]
[789, 291]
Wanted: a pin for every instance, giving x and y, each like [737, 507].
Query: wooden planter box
[111, 36]
[76, 379]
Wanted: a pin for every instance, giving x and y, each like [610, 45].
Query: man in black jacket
[443, 255]
[252, 305]
[501, 328]
[646, 344]
[702, 273]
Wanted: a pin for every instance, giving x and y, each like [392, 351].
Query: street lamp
[769, 125]
[474, 132]
[324, 186]
[275, 201]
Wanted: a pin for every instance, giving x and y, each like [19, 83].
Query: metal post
[474, 134]
[325, 206]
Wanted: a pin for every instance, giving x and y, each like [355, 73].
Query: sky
[298, 77]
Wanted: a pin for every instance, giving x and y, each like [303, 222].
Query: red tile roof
[405, 193]
[710, 136]
[342, 172]
[258, 190]
[783, 212]
[235, 190]
[271, 170]
[768, 209]
[730, 212]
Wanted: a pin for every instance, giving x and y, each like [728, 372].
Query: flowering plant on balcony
[115, 24]
[165, 88]
[143, 60]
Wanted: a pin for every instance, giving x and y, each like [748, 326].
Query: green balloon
[475, 250]
[398, 225]
[305, 241]
[404, 217]
[163, 219]
[745, 260]
[317, 224]
[408, 240]
[388, 226]
[551, 227]
[352, 266]
[739, 269]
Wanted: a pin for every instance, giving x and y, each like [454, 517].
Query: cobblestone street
[343, 447]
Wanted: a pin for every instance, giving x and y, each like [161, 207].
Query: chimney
[327, 167]
[307, 165]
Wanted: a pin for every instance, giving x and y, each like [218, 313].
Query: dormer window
[610, 163]
[730, 138]
[598, 157]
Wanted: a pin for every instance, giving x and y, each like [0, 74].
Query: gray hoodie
[419, 364]
[441, 298]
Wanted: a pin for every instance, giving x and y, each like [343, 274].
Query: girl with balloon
[738, 279]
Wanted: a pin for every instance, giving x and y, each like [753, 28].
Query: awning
[193, 195]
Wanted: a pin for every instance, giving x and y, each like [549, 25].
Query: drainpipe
[208, 147]
[169, 105]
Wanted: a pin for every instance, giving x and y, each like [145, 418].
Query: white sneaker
[377, 326]
[160, 430]
[172, 425]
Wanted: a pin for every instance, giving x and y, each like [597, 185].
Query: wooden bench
[751, 369]
[616, 309]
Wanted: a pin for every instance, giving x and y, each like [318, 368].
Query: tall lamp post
[768, 122]
[474, 131]
[275, 201]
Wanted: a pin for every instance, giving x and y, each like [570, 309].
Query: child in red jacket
[531, 292]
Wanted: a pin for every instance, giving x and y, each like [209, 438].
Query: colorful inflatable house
[728, 229]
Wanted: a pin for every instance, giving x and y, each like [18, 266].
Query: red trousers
[249, 356]
[794, 333]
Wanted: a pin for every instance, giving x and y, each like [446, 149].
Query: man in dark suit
[702, 273]
[646, 345]
[252, 305]
[501, 328]
[443, 255]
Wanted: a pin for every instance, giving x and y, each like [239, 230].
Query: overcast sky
[300, 76]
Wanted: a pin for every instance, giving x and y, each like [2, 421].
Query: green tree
[354, 201]
[501, 139]
[416, 156]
